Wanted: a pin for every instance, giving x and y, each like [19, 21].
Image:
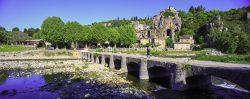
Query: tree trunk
[115, 46]
[57, 47]
[72, 45]
[76, 47]
[86, 45]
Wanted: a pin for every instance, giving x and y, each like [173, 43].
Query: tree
[2, 34]
[86, 36]
[53, 30]
[73, 30]
[99, 34]
[223, 41]
[31, 31]
[127, 35]
[244, 44]
[169, 42]
[186, 31]
[15, 29]
[114, 36]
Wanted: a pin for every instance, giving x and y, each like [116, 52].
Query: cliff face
[166, 25]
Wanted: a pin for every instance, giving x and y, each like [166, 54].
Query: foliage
[15, 29]
[114, 35]
[72, 31]
[223, 41]
[53, 30]
[127, 35]
[2, 35]
[169, 42]
[231, 58]
[31, 31]
[168, 13]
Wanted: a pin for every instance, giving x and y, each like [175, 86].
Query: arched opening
[169, 32]
[117, 63]
[133, 69]
[160, 75]
[107, 61]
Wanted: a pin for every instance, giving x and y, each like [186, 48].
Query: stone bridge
[175, 73]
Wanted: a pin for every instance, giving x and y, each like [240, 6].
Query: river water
[16, 85]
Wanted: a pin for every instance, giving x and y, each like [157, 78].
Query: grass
[9, 48]
[231, 58]
[167, 53]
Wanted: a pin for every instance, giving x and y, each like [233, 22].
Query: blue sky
[31, 13]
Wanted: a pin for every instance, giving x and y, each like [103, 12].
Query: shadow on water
[160, 76]
[15, 85]
[133, 69]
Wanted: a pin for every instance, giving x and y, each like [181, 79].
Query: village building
[186, 42]
[162, 28]
[30, 43]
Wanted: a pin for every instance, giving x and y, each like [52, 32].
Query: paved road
[185, 61]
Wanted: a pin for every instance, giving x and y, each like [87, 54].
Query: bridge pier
[124, 64]
[85, 55]
[97, 59]
[92, 58]
[103, 59]
[143, 69]
[178, 78]
[88, 54]
[111, 62]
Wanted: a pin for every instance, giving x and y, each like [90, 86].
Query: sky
[31, 13]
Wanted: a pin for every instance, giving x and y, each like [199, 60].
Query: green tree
[31, 31]
[244, 43]
[2, 34]
[86, 36]
[73, 31]
[53, 30]
[169, 42]
[114, 36]
[99, 34]
[15, 29]
[186, 31]
[127, 35]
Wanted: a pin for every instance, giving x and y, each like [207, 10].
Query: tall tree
[114, 36]
[15, 29]
[100, 34]
[127, 35]
[53, 30]
[2, 34]
[73, 30]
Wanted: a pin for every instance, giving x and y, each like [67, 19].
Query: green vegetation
[231, 58]
[8, 48]
[53, 30]
[168, 13]
[225, 31]
[187, 67]
[167, 53]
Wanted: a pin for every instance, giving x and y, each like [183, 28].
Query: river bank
[68, 79]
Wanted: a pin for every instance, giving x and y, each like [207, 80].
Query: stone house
[186, 42]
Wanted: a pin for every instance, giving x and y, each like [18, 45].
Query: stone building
[162, 28]
[186, 42]
[143, 32]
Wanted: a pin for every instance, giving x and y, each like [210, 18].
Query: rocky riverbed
[72, 79]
